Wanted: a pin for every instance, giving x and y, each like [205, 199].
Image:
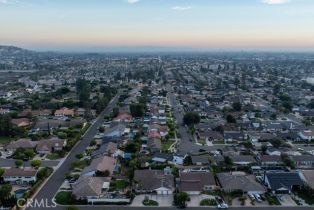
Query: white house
[306, 135]
[19, 175]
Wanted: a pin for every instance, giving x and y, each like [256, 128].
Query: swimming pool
[19, 193]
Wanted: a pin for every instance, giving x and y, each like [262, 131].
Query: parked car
[222, 206]
[258, 198]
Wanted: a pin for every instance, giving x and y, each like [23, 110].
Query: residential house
[243, 160]
[270, 160]
[158, 181]
[50, 145]
[162, 157]
[64, 112]
[308, 177]
[154, 144]
[303, 161]
[194, 183]
[210, 135]
[80, 112]
[107, 149]
[178, 159]
[21, 143]
[306, 135]
[115, 132]
[200, 160]
[101, 166]
[21, 122]
[89, 187]
[235, 181]
[123, 117]
[282, 182]
[20, 175]
[230, 136]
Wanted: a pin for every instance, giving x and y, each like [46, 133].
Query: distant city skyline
[202, 25]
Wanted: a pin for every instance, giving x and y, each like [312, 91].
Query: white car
[258, 198]
[222, 206]
[252, 197]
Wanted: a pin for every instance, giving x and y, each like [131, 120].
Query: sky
[74, 25]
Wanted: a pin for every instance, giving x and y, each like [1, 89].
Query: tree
[19, 163]
[115, 112]
[287, 161]
[6, 127]
[228, 161]
[83, 89]
[101, 129]
[5, 190]
[29, 153]
[264, 149]
[230, 119]
[35, 163]
[276, 142]
[79, 156]
[181, 198]
[191, 118]
[311, 104]
[237, 106]
[105, 173]
[273, 116]
[137, 110]
[132, 147]
[187, 160]
[2, 170]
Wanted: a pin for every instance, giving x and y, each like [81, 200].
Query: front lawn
[53, 156]
[208, 202]
[147, 202]
[201, 141]
[79, 164]
[306, 194]
[272, 200]
[6, 139]
[218, 142]
[120, 184]
[165, 145]
[64, 198]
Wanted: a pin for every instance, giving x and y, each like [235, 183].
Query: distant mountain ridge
[12, 50]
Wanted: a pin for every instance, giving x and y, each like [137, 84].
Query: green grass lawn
[53, 156]
[119, 184]
[219, 142]
[6, 139]
[166, 144]
[64, 198]
[201, 141]
[272, 200]
[306, 196]
[208, 202]
[148, 202]
[79, 164]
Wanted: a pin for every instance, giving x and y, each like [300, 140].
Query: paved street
[48, 191]
[186, 144]
[175, 208]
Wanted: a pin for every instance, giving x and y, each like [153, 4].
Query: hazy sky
[199, 24]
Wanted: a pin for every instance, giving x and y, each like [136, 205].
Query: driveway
[196, 199]
[163, 200]
[286, 200]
